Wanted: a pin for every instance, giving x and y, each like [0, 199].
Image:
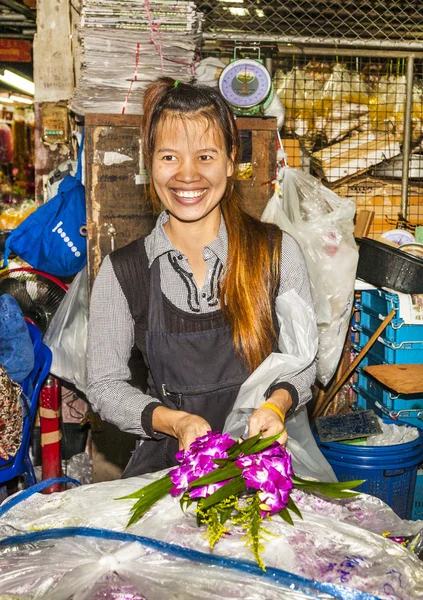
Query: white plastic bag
[322, 224]
[66, 335]
[298, 347]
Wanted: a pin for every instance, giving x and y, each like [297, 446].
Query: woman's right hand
[179, 424]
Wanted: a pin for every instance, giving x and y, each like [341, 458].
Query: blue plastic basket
[390, 471]
[417, 512]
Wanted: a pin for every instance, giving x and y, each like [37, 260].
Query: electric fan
[38, 294]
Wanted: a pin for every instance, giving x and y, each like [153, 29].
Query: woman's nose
[188, 171]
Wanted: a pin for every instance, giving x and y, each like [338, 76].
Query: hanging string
[154, 30]
[134, 78]
[154, 27]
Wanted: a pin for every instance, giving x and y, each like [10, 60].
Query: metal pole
[241, 36]
[406, 147]
[268, 63]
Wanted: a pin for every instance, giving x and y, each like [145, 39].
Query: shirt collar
[157, 243]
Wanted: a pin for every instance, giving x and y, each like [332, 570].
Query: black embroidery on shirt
[187, 278]
[213, 299]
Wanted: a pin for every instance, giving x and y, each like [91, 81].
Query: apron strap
[156, 318]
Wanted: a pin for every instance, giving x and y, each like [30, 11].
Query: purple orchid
[198, 461]
[271, 473]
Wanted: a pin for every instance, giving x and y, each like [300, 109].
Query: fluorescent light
[22, 100]
[260, 13]
[238, 12]
[6, 100]
[233, 1]
[17, 81]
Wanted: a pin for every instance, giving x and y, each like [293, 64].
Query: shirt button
[180, 257]
[204, 295]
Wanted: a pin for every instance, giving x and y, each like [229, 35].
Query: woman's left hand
[266, 420]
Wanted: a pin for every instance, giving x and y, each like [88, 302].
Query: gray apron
[197, 372]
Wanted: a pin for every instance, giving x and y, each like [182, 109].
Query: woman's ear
[231, 166]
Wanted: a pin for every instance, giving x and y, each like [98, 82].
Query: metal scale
[246, 85]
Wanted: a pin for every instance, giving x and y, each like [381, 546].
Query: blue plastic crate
[417, 510]
[386, 352]
[374, 306]
[366, 400]
[391, 400]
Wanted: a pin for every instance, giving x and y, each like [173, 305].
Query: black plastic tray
[386, 266]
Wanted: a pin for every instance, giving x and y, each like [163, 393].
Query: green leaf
[284, 513]
[262, 444]
[224, 514]
[234, 487]
[150, 489]
[242, 447]
[221, 461]
[294, 508]
[220, 474]
[141, 507]
[340, 485]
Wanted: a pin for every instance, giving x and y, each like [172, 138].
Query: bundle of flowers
[235, 483]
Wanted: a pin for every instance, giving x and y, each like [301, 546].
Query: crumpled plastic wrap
[338, 542]
[392, 434]
[323, 225]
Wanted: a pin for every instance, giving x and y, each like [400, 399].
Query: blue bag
[53, 239]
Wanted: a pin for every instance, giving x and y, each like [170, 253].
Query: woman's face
[190, 167]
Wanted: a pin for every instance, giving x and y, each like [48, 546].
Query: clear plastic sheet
[92, 569]
[338, 541]
[322, 223]
[66, 335]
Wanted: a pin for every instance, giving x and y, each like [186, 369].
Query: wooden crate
[258, 190]
[112, 162]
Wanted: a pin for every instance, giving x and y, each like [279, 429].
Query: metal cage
[350, 75]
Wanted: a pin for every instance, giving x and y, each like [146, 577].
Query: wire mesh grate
[348, 119]
[394, 21]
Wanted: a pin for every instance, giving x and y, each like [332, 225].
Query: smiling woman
[197, 296]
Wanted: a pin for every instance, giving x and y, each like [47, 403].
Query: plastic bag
[338, 541]
[322, 224]
[66, 335]
[298, 348]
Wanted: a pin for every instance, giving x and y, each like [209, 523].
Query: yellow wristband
[276, 409]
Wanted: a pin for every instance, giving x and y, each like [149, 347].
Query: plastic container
[397, 409]
[374, 306]
[386, 266]
[417, 512]
[390, 471]
[385, 352]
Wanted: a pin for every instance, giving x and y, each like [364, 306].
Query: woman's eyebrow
[208, 150]
[166, 150]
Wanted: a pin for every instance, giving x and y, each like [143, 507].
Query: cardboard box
[292, 147]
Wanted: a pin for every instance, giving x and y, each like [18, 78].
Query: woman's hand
[179, 424]
[268, 421]
[188, 428]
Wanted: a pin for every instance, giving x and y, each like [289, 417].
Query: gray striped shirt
[111, 327]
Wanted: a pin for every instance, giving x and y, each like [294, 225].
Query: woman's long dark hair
[252, 271]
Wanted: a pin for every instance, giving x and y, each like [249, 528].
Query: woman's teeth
[188, 194]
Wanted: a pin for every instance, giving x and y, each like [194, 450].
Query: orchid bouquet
[239, 483]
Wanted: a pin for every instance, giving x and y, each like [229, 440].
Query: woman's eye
[168, 157]
[205, 157]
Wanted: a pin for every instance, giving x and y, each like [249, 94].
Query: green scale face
[247, 86]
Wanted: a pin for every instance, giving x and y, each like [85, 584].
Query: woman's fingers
[190, 427]
[265, 420]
